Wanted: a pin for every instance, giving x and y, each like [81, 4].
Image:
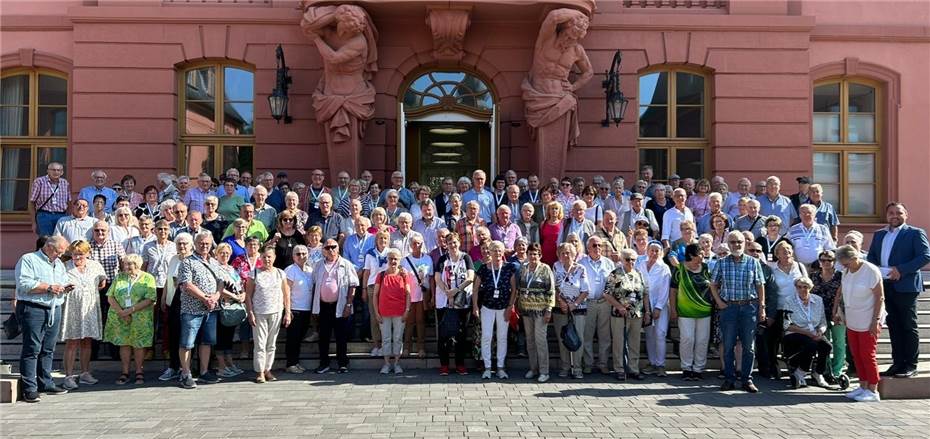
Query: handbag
[11, 327]
[570, 338]
[232, 314]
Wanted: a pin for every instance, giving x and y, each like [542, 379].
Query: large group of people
[192, 267]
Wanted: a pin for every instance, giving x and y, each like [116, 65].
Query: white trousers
[490, 318]
[392, 336]
[694, 335]
[655, 339]
[265, 336]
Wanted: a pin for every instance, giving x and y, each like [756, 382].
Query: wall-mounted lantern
[278, 98]
[614, 102]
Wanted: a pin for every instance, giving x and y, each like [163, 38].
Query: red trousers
[863, 345]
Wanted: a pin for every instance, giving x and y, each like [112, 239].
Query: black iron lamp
[278, 98]
[614, 102]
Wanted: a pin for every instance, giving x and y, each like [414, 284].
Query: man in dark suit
[900, 251]
[441, 200]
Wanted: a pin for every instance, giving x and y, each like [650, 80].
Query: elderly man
[195, 197]
[441, 199]
[179, 210]
[200, 294]
[400, 238]
[901, 251]
[193, 224]
[512, 201]
[334, 280]
[619, 199]
[714, 201]
[808, 237]
[100, 187]
[688, 185]
[645, 175]
[440, 249]
[108, 252]
[41, 283]
[49, 199]
[480, 194]
[328, 220]
[166, 188]
[774, 203]
[256, 228]
[637, 212]
[577, 223]
[467, 226]
[428, 225]
[671, 221]
[245, 180]
[315, 191]
[341, 190]
[78, 224]
[826, 214]
[751, 222]
[264, 212]
[242, 191]
[597, 268]
[275, 197]
[743, 189]
[397, 183]
[612, 238]
[803, 194]
[738, 288]
[531, 195]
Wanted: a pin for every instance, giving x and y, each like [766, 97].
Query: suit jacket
[588, 230]
[440, 205]
[531, 232]
[909, 253]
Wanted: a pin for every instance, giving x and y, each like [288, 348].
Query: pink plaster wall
[758, 54]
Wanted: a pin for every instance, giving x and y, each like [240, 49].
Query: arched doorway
[448, 121]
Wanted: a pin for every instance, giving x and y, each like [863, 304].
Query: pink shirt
[329, 293]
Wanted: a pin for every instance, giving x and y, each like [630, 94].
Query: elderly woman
[786, 269]
[658, 278]
[454, 277]
[130, 325]
[519, 251]
[690, 302]
[166, 211]
[676, 249]
[170, 306]
[135, 244]
[455, 212]
[223, 348]
[375, 262]
[237, 241]
[805, 325]
[121, 230]
[719, 228]
[697, 201]
[286, 239]
[827, 282]
[99, 206]
[149, 207]
[535, 301]
[571, 282]
[299, 279]
[355, 193]
[212, 220]
[550, 230]
[771, 238]
[157, 254]
[392, 206]
[496, 293]
[374, 194]
[593, 211]
[863, 298]
[626, 291]
[81, 318]
[230, 203]
[128, 185]
[267, 294]
[463, 184]
[528, 227]
[392, 296]
[419, 266]
[853, 238]
[314, 237]
[422, 194]
[503, 229]
[291, 203]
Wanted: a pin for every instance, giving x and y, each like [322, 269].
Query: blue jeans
[738, 321]
[41, 327]
[198, 326]
[45, 222]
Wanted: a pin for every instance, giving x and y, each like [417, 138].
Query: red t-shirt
[549, 241]
[392, 296]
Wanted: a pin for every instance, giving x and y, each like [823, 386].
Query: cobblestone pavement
[422, 404]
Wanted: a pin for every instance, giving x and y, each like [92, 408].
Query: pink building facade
[837, 90]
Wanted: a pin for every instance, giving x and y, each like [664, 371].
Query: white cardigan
[346, 278]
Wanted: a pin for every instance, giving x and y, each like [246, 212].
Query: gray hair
[856, 235]
[183, 237]
[406, 217]
[805, 281]
[205, 235]
[847, 253]
[393, 252]
[628, 253]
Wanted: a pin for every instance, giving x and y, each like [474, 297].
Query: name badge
[497, 294]
[128, 301]
[316, 205]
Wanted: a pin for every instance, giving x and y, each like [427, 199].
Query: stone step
[905, 388]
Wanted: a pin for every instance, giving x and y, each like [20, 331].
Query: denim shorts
[198, 329]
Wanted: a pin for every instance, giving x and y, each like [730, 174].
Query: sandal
[123, 379]
[140, 378]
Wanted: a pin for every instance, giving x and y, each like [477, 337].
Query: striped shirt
[57, 194]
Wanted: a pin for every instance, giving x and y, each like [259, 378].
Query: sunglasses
[630, 259]
[566, 184]
[300, 254]
[826, 260]
[287, 220]
[330, 247]
[735, 242]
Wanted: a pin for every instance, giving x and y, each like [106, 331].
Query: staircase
[359, 351]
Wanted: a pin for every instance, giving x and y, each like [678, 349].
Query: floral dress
[139, 332]
[81, 317]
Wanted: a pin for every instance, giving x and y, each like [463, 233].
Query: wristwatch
[48, 290]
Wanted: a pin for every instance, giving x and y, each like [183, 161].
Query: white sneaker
[69, 383]
[227, 372]
[397, 369]
[486, 375]
[819, 381]
[801, 377]
[855, 393]
[386, 369]
[530, 375]
[502, 374]
[87, 378]
[543, 378]
[868, 396]
[375, 351]
[168, 375]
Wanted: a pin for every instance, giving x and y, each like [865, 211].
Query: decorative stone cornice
[448, 26]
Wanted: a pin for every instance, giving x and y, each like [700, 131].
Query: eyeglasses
[630, 259]
[162, 228]
[754, 250]
[330, 247]
[287, 220]
[100, 230]
[736, 241]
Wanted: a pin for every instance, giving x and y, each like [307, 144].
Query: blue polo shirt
[780, 207]
[89, 192]
[485, 199]
[826, 215]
